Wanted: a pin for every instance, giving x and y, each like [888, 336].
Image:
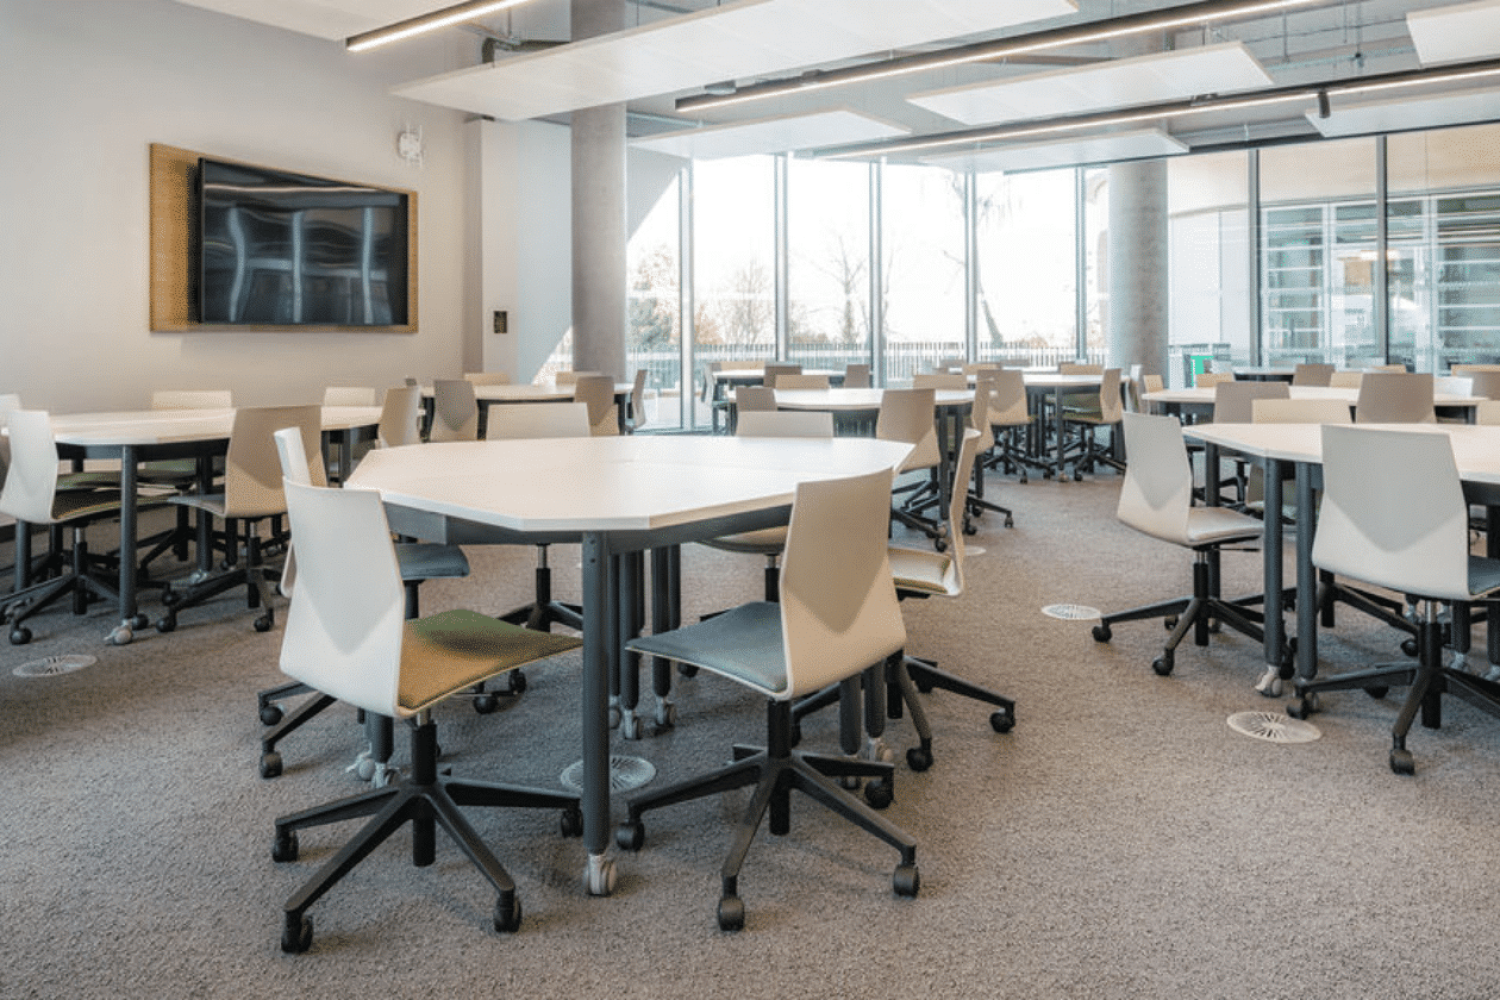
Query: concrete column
[1138, 266]
[599, 278]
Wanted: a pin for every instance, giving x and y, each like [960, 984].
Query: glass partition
[922, 271]
[654, 308]
[828, 267]
[1026, 295]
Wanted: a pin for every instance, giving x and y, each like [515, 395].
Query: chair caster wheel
[264, 623]
[1409, 647]
[879, 793]
[270, 715]
[485, 703]
[1169, 622]
[296, 935]
[570, 824]
[508, 913]
[686, 670]
[1162, 664]
[284, 847]
[515, 682]
[1002, 721]
[166, 623]
[906, 881]
[120, 635]
[20, 635]
[139, 621]
[1010, 522]
[731, 913]
[270, 764]
[1301, 708]
[169, 597]
[918, 758]
[630, 726]
[1401, 761]
[1377, 691]
[630, 836]
[1102, 633]
[665, 717]
[599, 875]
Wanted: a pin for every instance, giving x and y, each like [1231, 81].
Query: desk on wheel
[613, 495]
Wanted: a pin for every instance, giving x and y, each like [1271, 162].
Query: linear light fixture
[1319, 92]
[456, 14]
[1206, 12]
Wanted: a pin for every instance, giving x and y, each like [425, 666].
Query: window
[1026, 299]
[828, 270]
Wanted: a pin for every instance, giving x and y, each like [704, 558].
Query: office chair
[1156, 499]
[1395, 398]
[488, 378]
[773, 370]
[400, 417]
[1233, 404]
[906, 415]
[1345, 380]
[635, 406]
[346, 637]
[1394, 515]
[838, 616]
[1312, 373]
[31, 496]
[252, 494]
[800, 381]
[857, 376]
[569, 377]
[1101, 410]
[455, 411]
[1011, 423]
[417, 562]
[598, 392]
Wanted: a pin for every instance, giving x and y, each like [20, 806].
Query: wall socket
[502, 321]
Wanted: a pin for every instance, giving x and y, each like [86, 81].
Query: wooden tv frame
[174, 227]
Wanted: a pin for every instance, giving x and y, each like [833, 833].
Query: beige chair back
[748, 398]
[488, 378]
[857, 376]
[1487, 412]
[1395, 398]
[1233, 400]
[1346, 379]
[1007, 403]
[1484, 384]
[598, 392]
[1208, 379]
[907, 415]
[1079, 368]
[455, 411]
[940, 380]
[400, 417]
[1300, 411]
[800, 381]
[637, 403]
[252, 467]
[570, 377]
[1312, 373]
[773, 371]
[785, 423]
[537, 420]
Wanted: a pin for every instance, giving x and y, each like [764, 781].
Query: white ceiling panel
[1166, 76]
[324, 18]
[1456, 34]
[1138, 145]
[771, 135]
[1417, 112]
[740, 39]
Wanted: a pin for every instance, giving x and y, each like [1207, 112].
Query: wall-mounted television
[284, 249]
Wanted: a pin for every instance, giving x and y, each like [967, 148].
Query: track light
[1134, 24]
[427, 22]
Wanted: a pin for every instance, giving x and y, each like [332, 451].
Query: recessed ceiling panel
[1139, 145]
[1417, 112]
[744, 38]
[323, 18]
[1118, 83]
[770, 135]
[1456, 34]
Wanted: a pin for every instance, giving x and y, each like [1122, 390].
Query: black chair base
[426, 800]
[80, 581]
[776, 772]
[253, 574]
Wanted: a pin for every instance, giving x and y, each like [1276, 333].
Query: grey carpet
[1122, 841]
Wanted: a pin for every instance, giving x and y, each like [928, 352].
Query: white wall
[86, 86]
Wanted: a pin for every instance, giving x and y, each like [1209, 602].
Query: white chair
[801, 381]
[541, 420]
[1312, 373]
[1156, 500]
[455, 411]
[635, 405]
[400, 417]
[1102, 410]
[1233, 404]
[347, 637]
[1394, 516]
[488, 378]
[252, 493]
[982, 423]
[857, 376]
[1011, 422]
[907, 416]
[598, 392]
[31, 496]
[417, 562]
[569, 377]
[1345, 379]
[838, 615]
[1395, 397]
[349, 395]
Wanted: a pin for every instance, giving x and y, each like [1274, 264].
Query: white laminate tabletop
[146, 427]
[1202, 396]
[1476, 448]
[857, 400]
[630, 483]
[543, 392]
[1054, 380]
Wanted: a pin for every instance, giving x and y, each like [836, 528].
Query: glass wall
[1026, 243]
[828, 265]
[654, 307]
[922, 270]
[1209, 254]
[734, 258]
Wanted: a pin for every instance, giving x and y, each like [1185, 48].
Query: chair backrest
[1007, 403]
[1395, 398]
[1487, 412]
[800, 381]
[857, 376]
[906, 415]
[1204, 380]
[348, 395]
[192, 399]
[940, 380]
[252, 467]
[952, 363]
[1453, 385]
[400, 417]
[1300, 411]
[1346, 379]
[455, 412]
[979, 413]
[1233, 400]
[31, 482]
[1151, 382]
[785, 423]
[488, 378]
[1158, 487]
[1079, 368]
[638, 401]
[570, 377]
[839, 610]
[9, 403]
[344, 628]
[537, 420]
[773, 370]
[710, 369]
[1484, 384]
[1384, 368]
[748, 398]
[1393, 512]
[1111, 401]
[598, 392]
[1312, 373]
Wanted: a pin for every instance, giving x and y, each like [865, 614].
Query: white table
[1200, 400]
[616, 496]
[1476, 450]
[135, 436]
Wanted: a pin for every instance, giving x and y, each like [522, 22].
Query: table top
[631, 483]
[542, 392]
[1204, 396]
[856, 400]
[148, 427]
[1476, 448]
[758, 372]
[1055, 380]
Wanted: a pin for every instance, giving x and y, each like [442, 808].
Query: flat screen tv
[283, 249]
